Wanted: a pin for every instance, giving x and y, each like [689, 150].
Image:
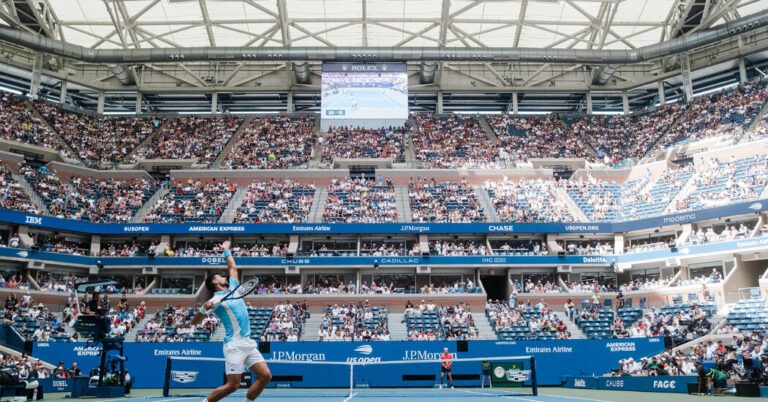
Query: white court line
[576, 398]
[350, 397]
[503, 396]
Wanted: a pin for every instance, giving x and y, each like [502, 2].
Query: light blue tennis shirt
[233, 314]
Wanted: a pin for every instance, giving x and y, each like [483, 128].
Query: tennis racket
[242, 290]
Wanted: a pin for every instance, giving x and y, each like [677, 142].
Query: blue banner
[549, 260]
[668, 384]
[16, 217]
[147, 361]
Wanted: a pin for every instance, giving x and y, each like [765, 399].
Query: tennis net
[472, 377]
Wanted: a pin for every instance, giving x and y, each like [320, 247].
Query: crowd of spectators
[457, 248]
[33, 320]
[620, 137]
[760, 131]
[260, 250]
[85, 198]
[19, 122]
[523, 138]
[174, 324]
[451, 202]
[355, 143]
[519, 247]
[52, 282]
[129, 249]
[13, 280]
[537, 286]
[537, 320]
[328, 286]
[360, 201]
[723, 182]
[598, 199]
[639, 201]
[276, 201]
[99, 141]
[728, 356]
[388, 248]
[287, 322]
[454, 322]
[455, 142]
[645, 284]
[586, 247]
[437, 286]
[12, 194]
[724, 114]
[359, 322]
[190, 137]
[533, 200]
[193, 201]
[730, 232]
[277, 142]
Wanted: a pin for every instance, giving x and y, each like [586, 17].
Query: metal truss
[586, 24]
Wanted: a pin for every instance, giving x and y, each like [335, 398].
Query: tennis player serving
[240, 351]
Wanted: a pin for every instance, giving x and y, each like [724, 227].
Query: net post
[351, 378]
[534, 385]
[167, 380]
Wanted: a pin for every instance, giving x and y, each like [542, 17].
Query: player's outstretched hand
[225, 245]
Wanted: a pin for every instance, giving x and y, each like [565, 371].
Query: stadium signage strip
[549, 260]
[666, 384]
[745, 245]
[148, 368]
[19, 218]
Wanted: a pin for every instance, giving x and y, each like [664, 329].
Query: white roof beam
[417, 34]
[414, 35]
[285, 31]
[445, 21]
[520, 19]
[207, 20]
[365, 22]
[313, 35]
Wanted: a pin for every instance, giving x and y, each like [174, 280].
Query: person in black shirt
[103, 323]
[11, 302]
[92, 306]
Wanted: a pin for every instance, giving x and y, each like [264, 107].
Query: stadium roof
[108, 25]
[461, 23]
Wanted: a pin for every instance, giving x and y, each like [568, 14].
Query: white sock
[247, 400]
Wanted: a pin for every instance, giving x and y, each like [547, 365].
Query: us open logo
[364, 350]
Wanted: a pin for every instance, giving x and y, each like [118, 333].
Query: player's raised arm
[231, 266]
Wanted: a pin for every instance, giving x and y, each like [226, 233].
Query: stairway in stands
[403, 204]
[483, 326]
[397, 328]
[318, 205]
[489, 130]
[311, 325]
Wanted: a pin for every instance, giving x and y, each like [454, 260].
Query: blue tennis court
[389, 395]
[361, 102]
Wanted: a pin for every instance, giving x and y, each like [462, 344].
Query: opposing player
[240, 351]
[446, 362]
